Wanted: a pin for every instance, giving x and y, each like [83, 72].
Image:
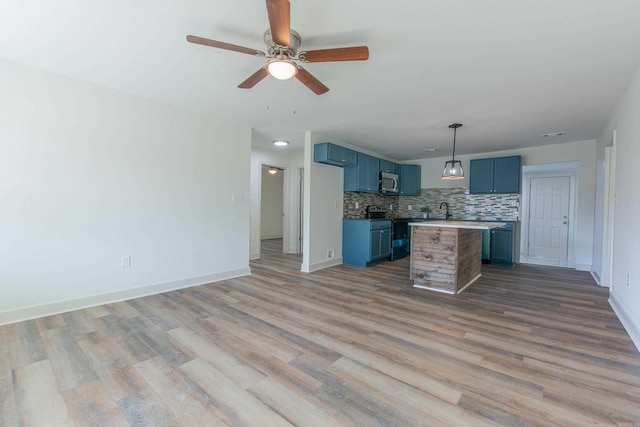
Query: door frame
[285, 201]
[608, 211]
[552, 170]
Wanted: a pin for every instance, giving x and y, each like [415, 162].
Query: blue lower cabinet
[502, 242]
[365, 242]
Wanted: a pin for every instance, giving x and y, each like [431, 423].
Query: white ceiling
[509, 70]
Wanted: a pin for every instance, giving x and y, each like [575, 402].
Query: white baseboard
[310, 268]
[632, 328]
[583, 267]
[34, 312]
[597, 278]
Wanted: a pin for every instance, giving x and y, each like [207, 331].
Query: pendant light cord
[453, 154]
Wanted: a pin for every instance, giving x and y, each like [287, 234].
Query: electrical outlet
[357, 205]
[410, 207]
[628, 279]
[236, 197]
[126, 261]
[330, 253]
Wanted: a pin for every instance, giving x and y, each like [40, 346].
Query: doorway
[277, 216]
[548, 217]
[272, 205]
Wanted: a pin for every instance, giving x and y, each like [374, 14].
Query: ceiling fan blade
[356, 53]
[223, 45]
[254, 79]
[280, 21]
[311, 82]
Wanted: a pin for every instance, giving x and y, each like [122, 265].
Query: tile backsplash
[462, 205]
[363, 200]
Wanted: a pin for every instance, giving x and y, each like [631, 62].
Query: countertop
[459, 224]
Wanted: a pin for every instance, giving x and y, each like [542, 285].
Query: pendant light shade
[453, 167]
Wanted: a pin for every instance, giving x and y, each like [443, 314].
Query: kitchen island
[446, 256]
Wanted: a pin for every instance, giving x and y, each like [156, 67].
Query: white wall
[89, 174]
[271, 205]
[625, 120]
[291, 163]
[323, 199]
[583, 152]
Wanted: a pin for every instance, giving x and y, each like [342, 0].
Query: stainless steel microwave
[388, 182]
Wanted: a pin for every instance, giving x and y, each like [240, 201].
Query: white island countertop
[478, 225]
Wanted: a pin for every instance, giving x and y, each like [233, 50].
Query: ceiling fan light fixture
[453, 167]
[282, 69]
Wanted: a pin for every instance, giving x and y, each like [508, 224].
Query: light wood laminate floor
[342, 346]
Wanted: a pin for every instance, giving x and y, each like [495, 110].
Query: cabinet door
[506, 175]
[481, 176]
[387, 166]
[364, 176]
[334, 155]
[373, 175]
[380, 244]
[385, 243]
[374, 250]
[501, 246]
[410, 177]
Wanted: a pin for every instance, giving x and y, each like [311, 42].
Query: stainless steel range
[376, 212]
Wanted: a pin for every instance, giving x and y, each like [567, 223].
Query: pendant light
[453, 167]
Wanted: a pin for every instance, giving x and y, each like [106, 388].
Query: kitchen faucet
[447, 215]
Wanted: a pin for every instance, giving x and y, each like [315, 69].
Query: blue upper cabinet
[481, 176]
[506, 174]
[387, 166]
[499, 175]
[334, 155]
[410, 180]
[363, 177]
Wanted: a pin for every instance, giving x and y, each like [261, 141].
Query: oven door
[399, 239]
[400, 229]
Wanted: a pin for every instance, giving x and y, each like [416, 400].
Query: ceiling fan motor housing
[275, 50]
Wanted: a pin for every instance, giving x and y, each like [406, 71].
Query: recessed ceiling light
[547, 135]
[280, 142]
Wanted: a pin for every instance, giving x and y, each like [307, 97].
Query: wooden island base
[445, 259]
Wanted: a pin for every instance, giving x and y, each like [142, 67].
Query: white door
[549, 218]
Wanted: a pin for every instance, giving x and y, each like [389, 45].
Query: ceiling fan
[282, 47]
